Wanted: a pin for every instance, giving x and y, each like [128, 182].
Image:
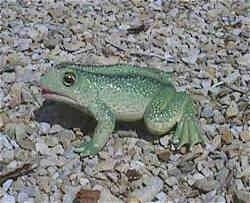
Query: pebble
[23, 44]
[232, 110]
[227, 136]
[164, 141]
[171, 181]
[218, 117]
[1, 98]
[106, 195]
[42, 148]
[149, 191]
[22, 197]
[8, 199]
[162, 197]
[7, 184]
[242, 195]
[244, 60]
[84, 181]
[164, 155]
[51, 140]
[207, 111]
[55, 129]
[245, 135]
[58, 149]
[192, 57]
[206, 185]
[9, 77]
[44, 128]
[106, 165]
[7, 155]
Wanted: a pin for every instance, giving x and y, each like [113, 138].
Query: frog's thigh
[164, 111]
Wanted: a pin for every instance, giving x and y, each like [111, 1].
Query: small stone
[2, 192]
[106, 195]
[22, 197]
[44, 128]
[193, 178]
[242, 196]
[106, 165]
[162, 197]
[7, 184]
[225, 100]
[73, 46]
[17, 59]
[244, 60]
[42, 148]
[84, 181]
[164, 154]
[23, 44]
[8, 199]
[227, 136]
[192, 57]
[7, 155]
[51, 140]
[134, 200]
[207, 111]
[206, 185]
[55, 129]
[9, 77]
[1, 98]
[238, 184]
[232, 77]
[164, 141]
[15, 95]
[58, 149]
[232, 110]
[20, 131]
[1, 120]
[44, 183]
[147, 193]
[171, 181]
[220, 199]
[218, 117]
[245, 135]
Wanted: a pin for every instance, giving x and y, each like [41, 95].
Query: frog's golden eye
[69, 79]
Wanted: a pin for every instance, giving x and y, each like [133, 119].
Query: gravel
[204, 44]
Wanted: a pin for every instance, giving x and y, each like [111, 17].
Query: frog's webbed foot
[87, 149]
[187, 132]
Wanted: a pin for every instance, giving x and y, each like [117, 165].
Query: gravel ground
[204, 44]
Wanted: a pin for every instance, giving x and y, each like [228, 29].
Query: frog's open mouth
[55, 96]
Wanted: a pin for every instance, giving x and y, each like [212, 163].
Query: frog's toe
[87, 149]
[187, 132]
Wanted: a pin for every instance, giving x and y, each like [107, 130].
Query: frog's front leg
[105, 125]
[169, 108]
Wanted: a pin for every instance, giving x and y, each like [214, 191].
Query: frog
[123, 92]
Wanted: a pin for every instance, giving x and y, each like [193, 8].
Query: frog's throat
[55, 96]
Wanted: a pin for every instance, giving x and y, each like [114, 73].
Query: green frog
[126, 93]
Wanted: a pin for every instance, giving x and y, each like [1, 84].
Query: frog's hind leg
[170, 108]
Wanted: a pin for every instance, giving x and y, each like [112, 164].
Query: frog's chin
[55, 96]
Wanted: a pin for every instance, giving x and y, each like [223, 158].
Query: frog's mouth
[56, 96]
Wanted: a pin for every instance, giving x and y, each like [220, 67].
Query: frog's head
[62, 84]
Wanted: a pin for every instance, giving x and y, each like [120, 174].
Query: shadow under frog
[69, 117]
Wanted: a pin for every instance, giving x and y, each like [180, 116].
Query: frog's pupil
[69, 79]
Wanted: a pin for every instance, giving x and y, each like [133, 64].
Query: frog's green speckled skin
[127, 93]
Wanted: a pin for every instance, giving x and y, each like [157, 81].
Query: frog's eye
[69, 79]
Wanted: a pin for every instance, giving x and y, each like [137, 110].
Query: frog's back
[124, 69]
[127, 90]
